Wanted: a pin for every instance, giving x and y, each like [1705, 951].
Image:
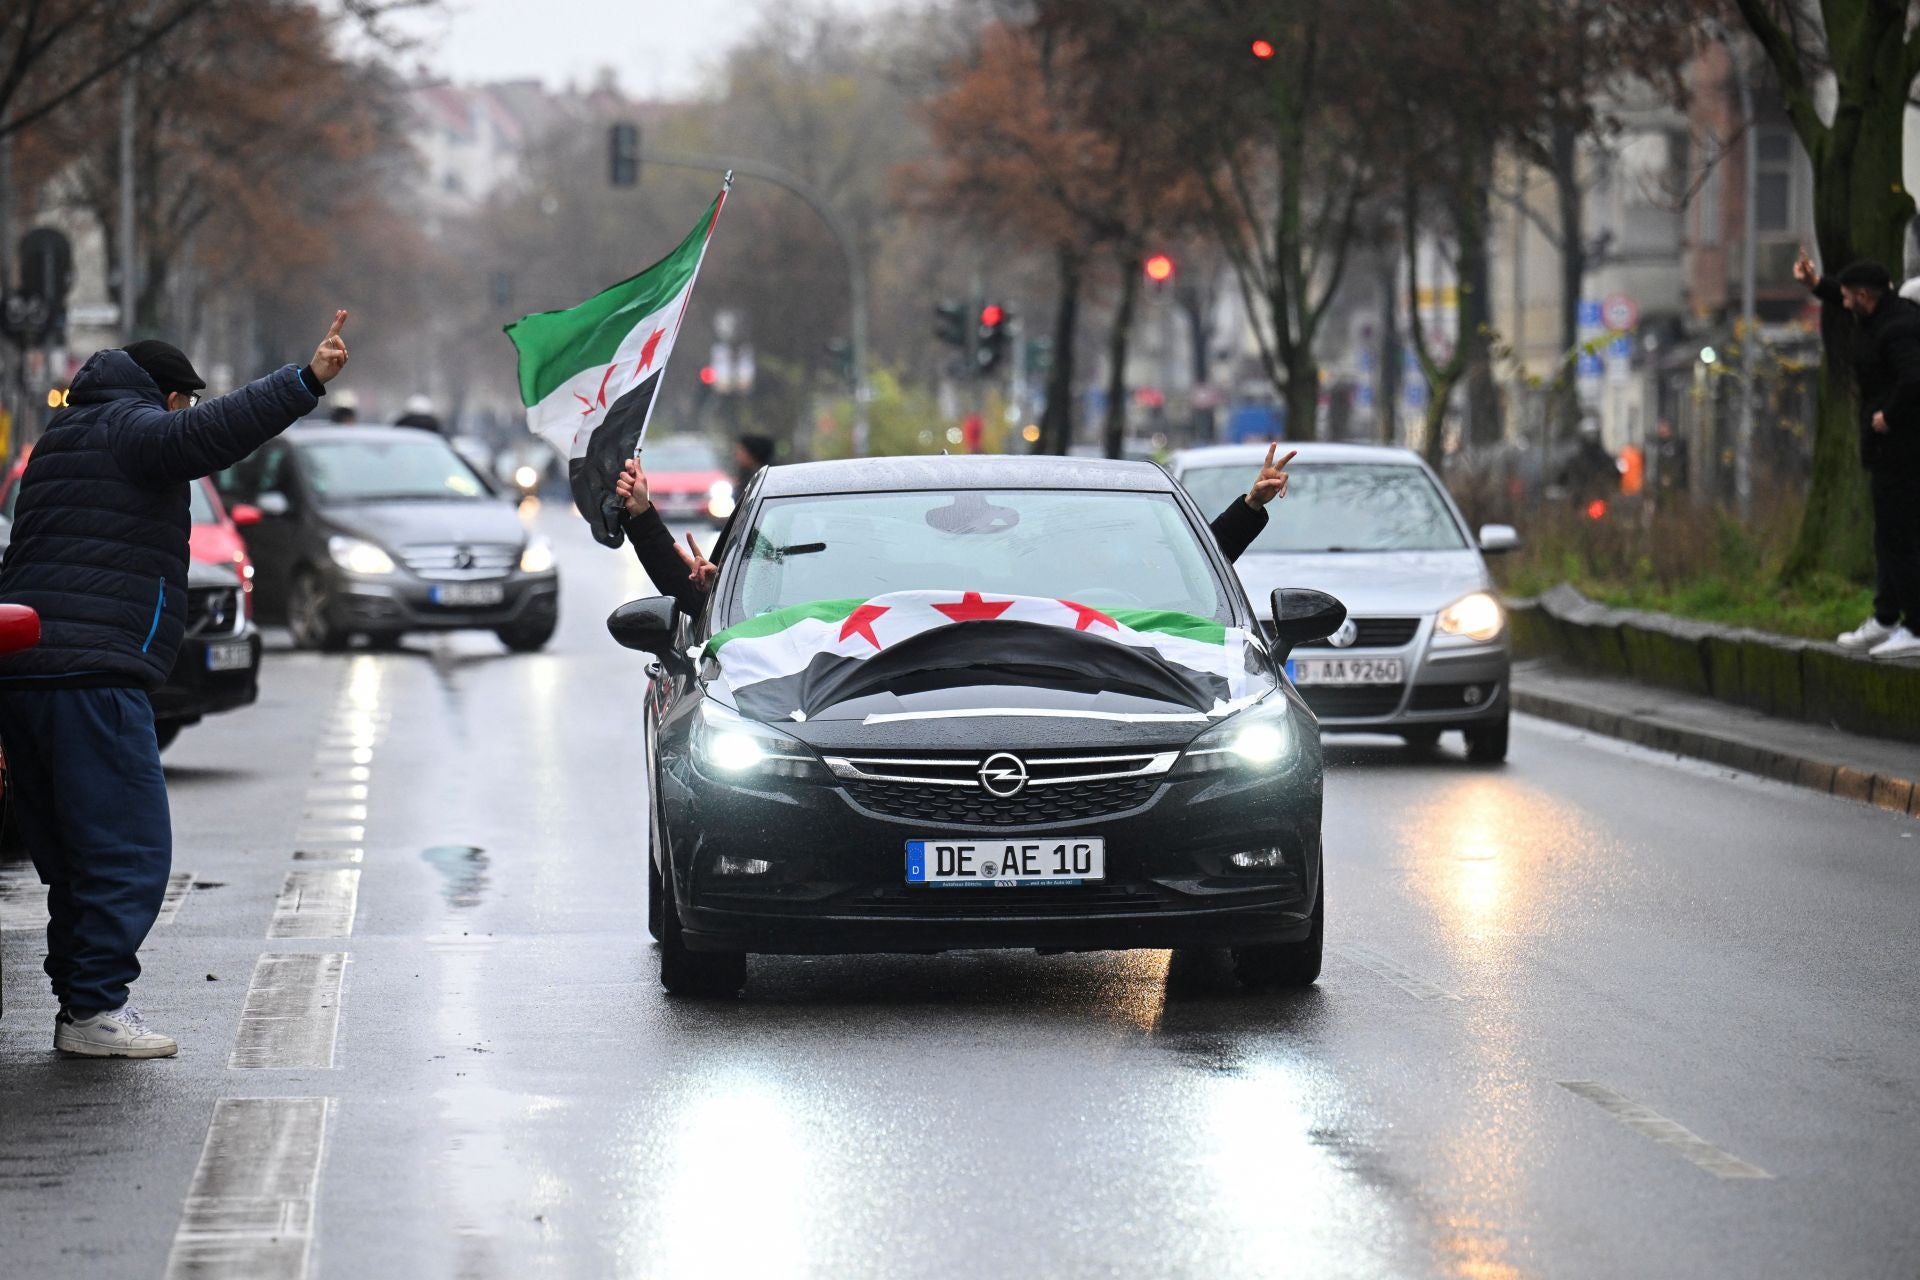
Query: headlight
[538, 557]
[1475, 617]
[720, 499]
[357, 555]
[526, 477]
[727, 743]
[1258, 738]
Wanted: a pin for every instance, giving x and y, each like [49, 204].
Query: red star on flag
[973, 609]
[647, 351]
[1088, 616]
[860, 623]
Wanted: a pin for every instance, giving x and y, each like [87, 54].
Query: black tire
[528, 637]
[385, 641]
[1285, 966]
[165, 731]
[710, 974]
[1420, 740]
[307, 617]
[1487, 741]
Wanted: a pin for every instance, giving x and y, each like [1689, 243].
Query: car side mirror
[646, 625]
[1498, 538]
[1300, 615]
[243, 514]
[272, 504]
[19, 628]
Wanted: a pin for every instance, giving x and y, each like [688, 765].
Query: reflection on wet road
[1567, 1004]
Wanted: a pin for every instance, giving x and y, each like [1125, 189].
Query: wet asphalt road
[1599, 1013]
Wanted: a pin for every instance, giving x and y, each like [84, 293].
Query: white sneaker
[1901, 644]
[1866, 635]
[122, 1033]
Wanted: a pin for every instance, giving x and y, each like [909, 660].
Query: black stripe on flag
[592, 475]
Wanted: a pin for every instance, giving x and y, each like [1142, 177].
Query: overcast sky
[658, 47]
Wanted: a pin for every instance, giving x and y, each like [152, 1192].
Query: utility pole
[129, 257]
[1749, 228]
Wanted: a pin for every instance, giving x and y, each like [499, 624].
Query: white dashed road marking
[1669, 1133]
[292, 1015]
[1405, 979]
[316, 903]
[250, 1210]
[177, 886]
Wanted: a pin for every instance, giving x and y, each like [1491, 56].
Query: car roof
[966, 471]
[1310, 451]
[320, 432]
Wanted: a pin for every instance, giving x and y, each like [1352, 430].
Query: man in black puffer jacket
[99, 548]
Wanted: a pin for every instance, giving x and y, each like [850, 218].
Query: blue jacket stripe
[159, 607]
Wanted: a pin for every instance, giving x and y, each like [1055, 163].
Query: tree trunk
[1476, 313]
[1114, 435]
[1390, 356]
[1573, 278]
[1193, 304]
[1056, 420]
[1303, 394]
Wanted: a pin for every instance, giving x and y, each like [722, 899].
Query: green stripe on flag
[556, 345]
[779, 620]
[1171, 622]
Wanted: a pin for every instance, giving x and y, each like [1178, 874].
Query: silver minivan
[1425, 647]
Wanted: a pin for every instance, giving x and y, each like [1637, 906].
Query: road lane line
[292, 1014]
[352, 833]
[250, 1209]
[23, 899]
[1405, 979]
[338, 853]
[1669, 1133]
[178, 885]
[317, 903]
[337, 793]
[335, 813]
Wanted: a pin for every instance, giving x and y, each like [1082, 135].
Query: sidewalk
[1875, 771]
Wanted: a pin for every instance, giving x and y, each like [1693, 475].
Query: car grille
[1453, 697]
[947, 787]
[213, 611]
[1354, 702]
[454, 560]
[1375, 633]
[990, 901]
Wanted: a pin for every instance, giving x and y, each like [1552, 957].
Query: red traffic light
[1159, 268]
[1263, 49]
[709, 375]
[991, 315]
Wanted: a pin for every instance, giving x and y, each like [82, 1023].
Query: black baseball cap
[166, 364]
[1865, 275]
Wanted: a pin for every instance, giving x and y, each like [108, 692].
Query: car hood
[400, 523]
[1370, 584]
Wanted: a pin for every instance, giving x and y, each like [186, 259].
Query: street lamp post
[1749, 327]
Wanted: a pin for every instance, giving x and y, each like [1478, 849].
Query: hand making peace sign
[1271, 483]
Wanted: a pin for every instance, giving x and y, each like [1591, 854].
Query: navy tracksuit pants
[85, 782]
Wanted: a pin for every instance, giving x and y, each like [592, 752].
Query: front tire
[528, 637]
[1487, 742]
[307, 619]
[711, 974]
[1286, 966]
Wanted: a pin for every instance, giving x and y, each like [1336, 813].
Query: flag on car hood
[797, 659]
[589, 375]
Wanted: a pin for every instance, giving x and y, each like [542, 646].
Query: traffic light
[992, 346]
[624, 154]
[1159, 269]
[950, 324]
[1263, 49]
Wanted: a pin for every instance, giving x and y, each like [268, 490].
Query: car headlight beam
[358, 556]
[726, 742]
[538, 556]
[1253, 740]
[720, 499]
[1473, 617]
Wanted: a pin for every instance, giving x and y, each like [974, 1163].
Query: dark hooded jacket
[99, 543]
[1886, 369]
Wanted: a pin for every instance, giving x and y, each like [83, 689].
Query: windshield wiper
[800, 549]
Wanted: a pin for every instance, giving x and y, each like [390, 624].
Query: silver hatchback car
[1425, 646]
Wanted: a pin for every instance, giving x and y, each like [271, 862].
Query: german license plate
[229, 657]
[1348, 671]
[468, 595]
[1008, 864]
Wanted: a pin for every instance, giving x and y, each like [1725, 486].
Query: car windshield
[199, 506]
[1339, 506]
[680, 455]
[1104, 549]
[421, 467]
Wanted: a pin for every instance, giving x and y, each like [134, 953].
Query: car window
[1120, 550]
[385, 468]
[680, 455]
[199, 506]
[1343, 506]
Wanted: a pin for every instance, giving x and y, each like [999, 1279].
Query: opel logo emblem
[463, 557]
[1003, 775]
[1344, 637]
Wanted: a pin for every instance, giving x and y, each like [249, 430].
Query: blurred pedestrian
[1886, 370]
[346, 409]
[419, 414]
[750, 453]
[100, 550]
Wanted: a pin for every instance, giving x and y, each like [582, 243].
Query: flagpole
[726, 188]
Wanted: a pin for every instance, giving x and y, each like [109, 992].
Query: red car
[686, 480]
[214, 538]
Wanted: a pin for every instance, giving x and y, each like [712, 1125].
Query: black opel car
[978, 702]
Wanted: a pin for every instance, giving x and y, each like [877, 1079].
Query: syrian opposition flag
[589, 375]
[791, 662]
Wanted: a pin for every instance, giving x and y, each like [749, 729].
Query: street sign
[97, 315]
[1620, 312]
[1590, 314]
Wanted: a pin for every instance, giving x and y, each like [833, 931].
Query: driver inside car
[685, 573]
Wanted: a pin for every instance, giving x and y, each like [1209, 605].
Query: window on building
[1773, 183]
